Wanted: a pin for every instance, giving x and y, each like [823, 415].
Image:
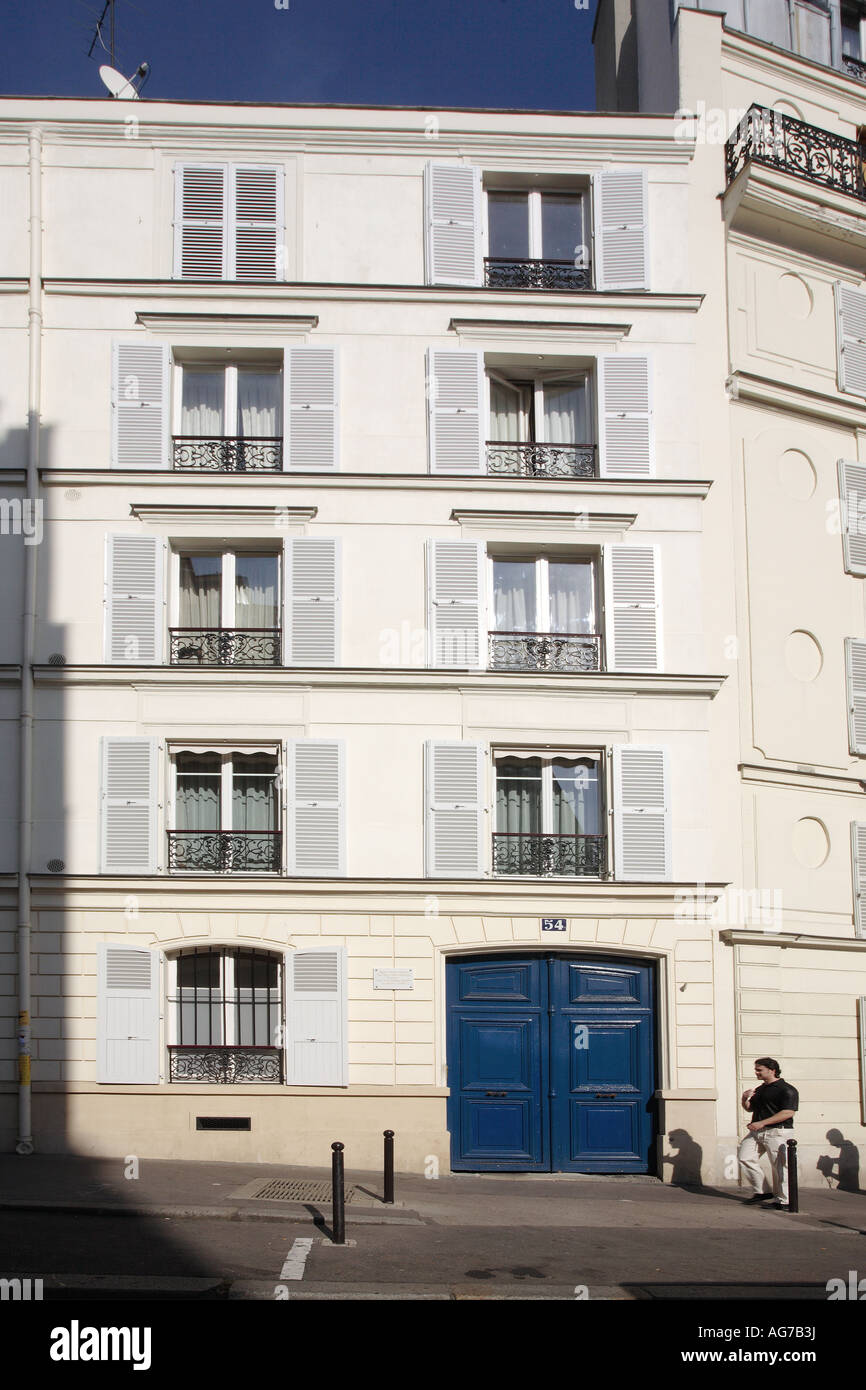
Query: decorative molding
[161, 514]
[539, 331]
[283, 324]
[547, 521]
[819, 405]
[741, 936]
[801, 777]
[813, 208]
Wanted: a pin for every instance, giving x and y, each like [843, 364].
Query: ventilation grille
[223, 1122]
[57, 659]
[56, 866]
[318, 971]
[127, 969]
[279, 1191]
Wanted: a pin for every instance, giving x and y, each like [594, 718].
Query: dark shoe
[777, 1206]
[758, 1197]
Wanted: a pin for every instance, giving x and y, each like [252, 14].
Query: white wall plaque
[393, 979]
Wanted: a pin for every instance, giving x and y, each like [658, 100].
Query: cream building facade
[419, 713]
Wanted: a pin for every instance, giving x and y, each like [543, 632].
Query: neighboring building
[388, 739]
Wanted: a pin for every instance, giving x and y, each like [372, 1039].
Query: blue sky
[534, 54]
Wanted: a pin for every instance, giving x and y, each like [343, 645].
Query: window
[540, 425]
[537, 238]
[229, 417]
[225, 1015]
[226, 812]
[853, 24]
[229, 222]
[228, 609]
[548, 815]
[544, 613]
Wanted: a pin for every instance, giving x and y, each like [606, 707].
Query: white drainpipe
[25, 792]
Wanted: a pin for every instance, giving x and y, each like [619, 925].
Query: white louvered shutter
[455, 604]
[317, 808]
[855, 674]
[858, 875]
[133, 598]
[852, 499]
[139, 405]
[452, 210]
[454, 778]
[642, 848]
[620, 228]
[625, 445]
[200, 222]
[455, 399]
[127, 1015]
[312, 604]
[128, 804]
[316, 1018]
[311, 431]
[257, 194]
[850, 338]
[632, 584]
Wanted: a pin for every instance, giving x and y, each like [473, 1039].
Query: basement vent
[223, 1122]
[56, 866]
[298, 1192]
[57, 659]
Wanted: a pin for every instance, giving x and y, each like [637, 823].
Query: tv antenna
[117, 84]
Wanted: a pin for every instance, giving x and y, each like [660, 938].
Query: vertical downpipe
[24, 1144]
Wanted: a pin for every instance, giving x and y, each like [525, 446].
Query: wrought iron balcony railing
[226, 454]
[500, 273]
[854, 67]
[226, 1064]
[225, 851]
[550, 856]
[206, 646]
[508, 459]
[544, 651]
[781, 142]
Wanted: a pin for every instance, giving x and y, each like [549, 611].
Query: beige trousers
[771, 1142]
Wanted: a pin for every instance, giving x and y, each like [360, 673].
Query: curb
[295, 1213]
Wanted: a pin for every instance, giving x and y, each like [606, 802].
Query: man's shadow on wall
[686, 1162]
[847, 1165]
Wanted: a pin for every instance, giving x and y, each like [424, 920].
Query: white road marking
[296, 1259]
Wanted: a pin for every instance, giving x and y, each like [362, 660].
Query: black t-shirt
[772, 1097]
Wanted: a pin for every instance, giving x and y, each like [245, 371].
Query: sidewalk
[226, 1191]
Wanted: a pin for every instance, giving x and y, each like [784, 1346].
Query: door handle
[496, 1093]
[605, 1095]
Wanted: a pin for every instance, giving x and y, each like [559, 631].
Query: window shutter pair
[452, 214]
[140, 408]
[128, 1012]
[129, 813]
[850, 338]
[457, 606]
[457, 425]
[456, 801]
[229, 222]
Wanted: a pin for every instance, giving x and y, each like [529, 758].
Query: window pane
[505, 411]
[203, 402]
[514, 605]
[576, 797]
[254, 792]
[561, 226]
[508, 216]
[200, 590]
[201, 969]
[565, 412]
[260, 395]
[198, 792]
[255, 970]
[518, 796]
[572, 607]
[256, 592]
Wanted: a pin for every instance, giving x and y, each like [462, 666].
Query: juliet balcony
[226, 1065]
[225, 851]
[201, 646]
[550, 856]
[526, 274]
[544, 651]
[507, 458]
[227, 454]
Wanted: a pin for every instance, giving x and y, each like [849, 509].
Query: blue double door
[551, 1064]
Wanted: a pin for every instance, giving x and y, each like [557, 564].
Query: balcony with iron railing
[227, 454]
[226, 1065]
[780, 142]
[550, 856]
[510, 459]
[205, 646]
[225, 851]
[854, 67]
[544, 651]
[502, 273]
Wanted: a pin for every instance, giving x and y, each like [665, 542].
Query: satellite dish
[120, 86]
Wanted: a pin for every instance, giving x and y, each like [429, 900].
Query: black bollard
[338, 1196]
[793, 1185]
[389, 1167]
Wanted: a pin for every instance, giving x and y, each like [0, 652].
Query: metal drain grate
[297, 1192]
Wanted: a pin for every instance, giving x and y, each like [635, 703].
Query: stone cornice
[516, 330]
[741, 936]
[346, 679]
[546, 521]
[164, 514]
[820, 213]
[218, 323]
[747, 56]
[802, 778]
[819, 405]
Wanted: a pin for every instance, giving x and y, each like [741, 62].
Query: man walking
[772, 1106]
